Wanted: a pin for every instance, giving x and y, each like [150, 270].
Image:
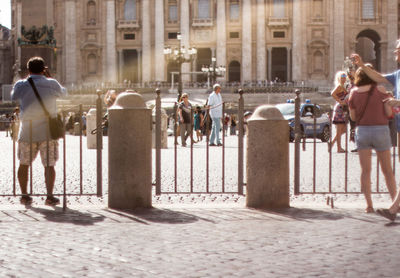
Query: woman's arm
[374, 75]
[335, 92]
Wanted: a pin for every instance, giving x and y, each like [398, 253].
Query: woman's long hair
[338, 77]
[361, 78]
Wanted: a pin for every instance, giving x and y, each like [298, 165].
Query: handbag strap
[30, 80]
[366, 104]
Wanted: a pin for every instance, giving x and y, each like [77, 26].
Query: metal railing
[66, 178]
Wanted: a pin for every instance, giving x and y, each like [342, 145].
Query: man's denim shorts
[375, 137]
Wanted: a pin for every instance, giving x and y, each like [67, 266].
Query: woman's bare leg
[365, 162]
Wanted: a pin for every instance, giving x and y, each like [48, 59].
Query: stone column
[267, 159]
[338, 34]
[69, 47]
[298, 49]
[221, 35]
[146, 42]
[246, 41]
[185, 33]
[110, 62]
[392, 35]
[129, 152]
[289, 65]
[140, 80]
[18, 13]
[269, 50]
[261, 51]
[159, 40]
[120, 65]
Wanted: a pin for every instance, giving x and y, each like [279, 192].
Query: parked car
[307, 113]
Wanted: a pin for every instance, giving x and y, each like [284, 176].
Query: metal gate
[74, 179]
[197, 181]
[330, 173]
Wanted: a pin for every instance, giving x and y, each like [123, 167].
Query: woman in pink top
[368, 110]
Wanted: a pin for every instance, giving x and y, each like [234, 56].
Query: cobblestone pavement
[197, 235]
[197, 242]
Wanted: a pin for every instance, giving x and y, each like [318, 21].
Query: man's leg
[213, 131]
[49, 155]
[23, 178]
[50, 177]
[218, 128]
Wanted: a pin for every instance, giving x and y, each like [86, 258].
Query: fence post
[99, 143]
[267, 159]
[129, 152]
[297, 138]
[240, 139]
[158, 142]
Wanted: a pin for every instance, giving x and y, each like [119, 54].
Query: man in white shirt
[215, 106]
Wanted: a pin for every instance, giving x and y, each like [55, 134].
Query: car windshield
[286, 109]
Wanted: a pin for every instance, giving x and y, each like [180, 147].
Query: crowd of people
[359, 100]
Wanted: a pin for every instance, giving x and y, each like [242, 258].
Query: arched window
[203, 8]
[279, 8]
[368, 9]
[130, 10]
[91, 13]
[92, 64]
[318, 62]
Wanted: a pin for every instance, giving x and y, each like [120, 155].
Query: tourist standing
[372, 132]
[394, 79]
[185, 118]
[32, 112]
[215, 105]
[340, 110]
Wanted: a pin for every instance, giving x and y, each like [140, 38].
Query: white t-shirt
[215, 101]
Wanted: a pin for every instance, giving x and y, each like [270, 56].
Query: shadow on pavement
[305, 214]
[158, 216]
[69, 216]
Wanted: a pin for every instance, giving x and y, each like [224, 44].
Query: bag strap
[366, 104]
[30, 80]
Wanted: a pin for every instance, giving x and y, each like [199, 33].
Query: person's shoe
[219, 144]
[341, 151]
[387, 214]
[52, 201]
[26, 200]
[354, 151]
[212, 145]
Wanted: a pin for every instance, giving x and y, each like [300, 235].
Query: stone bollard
[267, 159]
[129, 153]
[91, 125]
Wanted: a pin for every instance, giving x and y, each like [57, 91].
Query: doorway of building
[369, 48]
[172, 67]
[279, 64]
[203, 59]
[130, 65]
[234, 71]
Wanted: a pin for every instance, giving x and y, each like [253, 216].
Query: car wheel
[291, 134]
[326, 134]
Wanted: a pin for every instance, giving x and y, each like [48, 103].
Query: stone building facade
[293, 40]
[6, 57]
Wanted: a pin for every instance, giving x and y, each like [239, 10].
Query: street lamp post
[213, 71]
[179, 56]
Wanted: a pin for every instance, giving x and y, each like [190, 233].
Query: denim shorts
[375, 137]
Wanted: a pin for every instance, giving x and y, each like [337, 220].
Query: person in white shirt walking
[215, 106]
